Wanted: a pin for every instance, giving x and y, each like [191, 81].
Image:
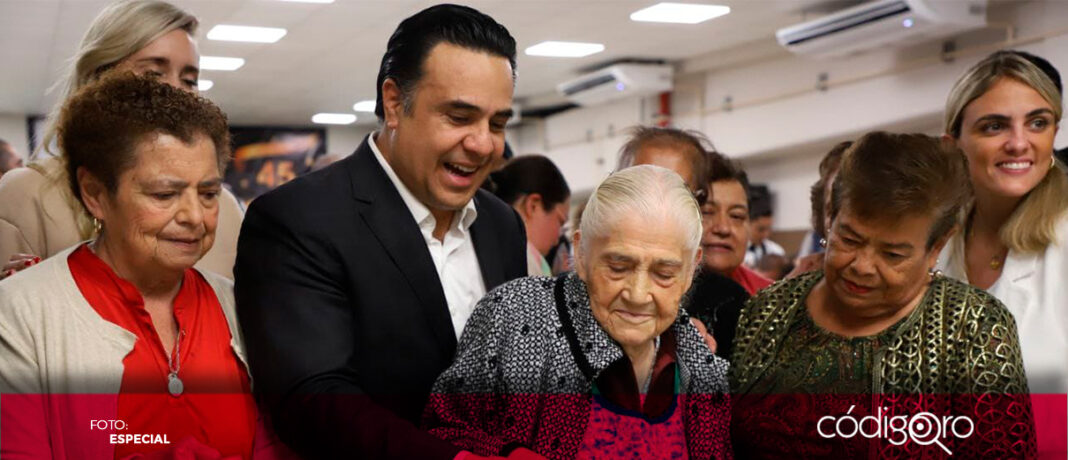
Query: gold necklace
[997, 261]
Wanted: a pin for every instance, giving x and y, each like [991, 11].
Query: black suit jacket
[343, 315]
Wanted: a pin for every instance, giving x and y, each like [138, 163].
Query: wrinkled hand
[709, 340]
[806, 264]
[18, 262]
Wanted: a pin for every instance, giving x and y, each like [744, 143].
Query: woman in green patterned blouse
[878, 333]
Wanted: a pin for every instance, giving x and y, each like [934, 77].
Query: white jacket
[1034, 287]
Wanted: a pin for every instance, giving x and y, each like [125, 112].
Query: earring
[823, 242]
[98, 226]
[934, 273]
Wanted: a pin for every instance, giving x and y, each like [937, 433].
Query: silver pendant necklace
[174, 363]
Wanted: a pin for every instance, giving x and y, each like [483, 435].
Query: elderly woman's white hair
[656, 193]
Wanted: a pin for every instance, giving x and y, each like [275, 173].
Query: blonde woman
[1003, 115]
[39, 217]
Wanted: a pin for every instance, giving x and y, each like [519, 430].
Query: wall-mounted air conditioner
[617, 82]
[882, 23]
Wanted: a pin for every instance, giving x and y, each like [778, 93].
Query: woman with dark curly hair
[123, 327]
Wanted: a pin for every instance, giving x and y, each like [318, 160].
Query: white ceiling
[329, 59]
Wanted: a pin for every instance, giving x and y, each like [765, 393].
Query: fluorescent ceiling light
[564, 49]
[364, 106]
[679, 13]
[309, 1]
[204, 85]
[246, 34]
[220, 63]
[334, 118]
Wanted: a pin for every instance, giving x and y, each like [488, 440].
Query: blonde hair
[120, 30]
[1032, 226]
[648, 191]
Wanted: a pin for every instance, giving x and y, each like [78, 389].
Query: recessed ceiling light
[679, 13]
[220, 63]
[309, 1]
[334, 118]
[364, 106]
[251, 34]
[564, 49]
[204, 85]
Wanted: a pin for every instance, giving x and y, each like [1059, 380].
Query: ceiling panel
[329, 58]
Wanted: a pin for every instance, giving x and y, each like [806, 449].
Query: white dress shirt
[1034, 287]
[454, 257]
[754, 253]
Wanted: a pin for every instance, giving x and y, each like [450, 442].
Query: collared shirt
[755, 252]
[216, 407]
[454, 256]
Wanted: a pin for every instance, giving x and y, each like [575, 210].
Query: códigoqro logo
[923, 428]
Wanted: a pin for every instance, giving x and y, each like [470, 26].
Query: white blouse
[1034, 287]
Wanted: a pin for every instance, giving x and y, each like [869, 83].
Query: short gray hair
[644, 190]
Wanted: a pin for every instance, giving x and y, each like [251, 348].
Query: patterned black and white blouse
[526, 364]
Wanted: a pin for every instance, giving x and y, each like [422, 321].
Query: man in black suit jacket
[353, 283]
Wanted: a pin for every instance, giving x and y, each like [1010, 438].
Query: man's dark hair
[411, 43]
[693, 141]
[760, 201]
[690, 142]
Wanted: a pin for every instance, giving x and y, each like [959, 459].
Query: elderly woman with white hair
[600, 362]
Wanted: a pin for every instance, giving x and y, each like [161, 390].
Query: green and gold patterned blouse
[957, 353]
[814, 360]
[959, 339]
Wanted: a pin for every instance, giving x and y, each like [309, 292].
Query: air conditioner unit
[882, 23]
[617, 82]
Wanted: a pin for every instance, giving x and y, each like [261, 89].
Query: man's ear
[94, 193]
[392, 103]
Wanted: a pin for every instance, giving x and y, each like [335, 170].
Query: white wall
[13, 130]
[343, 140]
[781, 124]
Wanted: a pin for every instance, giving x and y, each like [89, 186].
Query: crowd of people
[412, 300]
